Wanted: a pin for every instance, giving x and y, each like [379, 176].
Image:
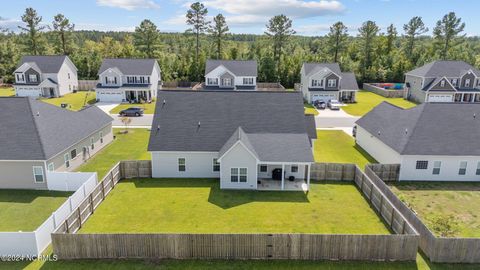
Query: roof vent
[198, 123]
[378, 133]
[38, 113]
[164, 101]
[406, 131]
[474, 115]
[158, 127]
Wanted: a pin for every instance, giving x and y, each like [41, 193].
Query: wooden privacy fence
[398, 247]
[387, 172]
[87, 85]
[437, 249]
[392, 93]
[332, 171]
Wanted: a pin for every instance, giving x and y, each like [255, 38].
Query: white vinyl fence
[34, 243]
[68, 181]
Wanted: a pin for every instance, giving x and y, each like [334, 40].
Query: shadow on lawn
[28, 196]
[223, 198]
[365, 154]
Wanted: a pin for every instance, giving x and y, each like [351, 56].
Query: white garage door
[324, 97]
[440, 98]
[28, 92]
[110, 96]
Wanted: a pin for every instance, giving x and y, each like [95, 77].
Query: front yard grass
[200, 206]
[76, 101]
[366, 101]
[148, 107]
[451, 204]
[25, 210]
[7, 92]
[129, 146]
[335, 146]
[309, 109]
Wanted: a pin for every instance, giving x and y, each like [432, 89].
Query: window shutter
[106, 80]
[115, 80]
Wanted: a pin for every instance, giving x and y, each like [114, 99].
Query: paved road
[330, 122]
[145, 120]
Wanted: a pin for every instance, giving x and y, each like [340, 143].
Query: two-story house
[325, 81]
[128, 80]
[443, 81]
[45, 76]
[231, 75]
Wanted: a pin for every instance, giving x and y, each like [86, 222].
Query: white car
[333, 104]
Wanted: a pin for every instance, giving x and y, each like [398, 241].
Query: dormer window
[454, 82]
[111, 80]
[316, 83]
[20, 78]
[332, 83]
[442, 83]
[467, 83]
[32, 77]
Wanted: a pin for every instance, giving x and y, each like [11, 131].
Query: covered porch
[467, 97]
[138, 96]
[347, 96]
[283, 176]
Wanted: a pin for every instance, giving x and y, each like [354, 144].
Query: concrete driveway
[106, 106]
[335, 119]
[141, 121]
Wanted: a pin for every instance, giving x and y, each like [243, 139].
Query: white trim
[446, 79]
[184, 164]
[213, 165]
[43, 175]
[221, 65]
[321, 69]
[229, 149]
[53, 167]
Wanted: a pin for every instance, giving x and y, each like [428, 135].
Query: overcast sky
[311, 17]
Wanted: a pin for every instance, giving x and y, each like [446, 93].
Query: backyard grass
[366, 101]
[130, 146]
[309, 109]
[25, 210]
[76, 101]
[200, 206]
[148, 107]
[459, 203]
[7, 92]
[338, 147]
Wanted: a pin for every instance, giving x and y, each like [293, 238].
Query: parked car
[132, 111]
[320, 104]
[333, 104]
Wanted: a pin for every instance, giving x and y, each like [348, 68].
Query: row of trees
[373, 55]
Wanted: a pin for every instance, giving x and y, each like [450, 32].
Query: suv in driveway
[132, 111]
[319, 104]
[333, 104]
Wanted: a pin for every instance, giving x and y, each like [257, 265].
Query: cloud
[268, 8]
[10, 24]
[128, 4]
[103, 27]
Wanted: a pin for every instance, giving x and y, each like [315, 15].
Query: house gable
[437, 85]
[467, 76]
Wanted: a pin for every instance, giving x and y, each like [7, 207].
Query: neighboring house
[431, 142]
[245, 138]
[325, 81]
[45, 76]
[231, 75]
[128, 80]
[443, 81]
[38, 138]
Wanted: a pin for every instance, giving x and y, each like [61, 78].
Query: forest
[374, 54]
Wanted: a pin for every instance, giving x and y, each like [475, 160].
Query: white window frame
[316, 83]
[111, 80]
[467, 82]
[35, 174]
[238, 175]
[462, 170]
[229, 80]
[478, 169]
[437, 165]
[51, 167]
[454, 82]
[292, 170]
[101, 136]
[32, 77]
[266, 168]
[92, 143]
[180, 164]
[212, 81]
[66, 158]
[442, 83]
[215, 165]
[332, 83]
[248, 81]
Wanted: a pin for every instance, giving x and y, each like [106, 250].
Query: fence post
[393, 216]
[67, 227]
[138, 169]
[371, 192]
[91, 203]
[103, 190]
[111, 178]
[79, 217]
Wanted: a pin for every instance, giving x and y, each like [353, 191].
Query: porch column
[283, 176]
[308, 176]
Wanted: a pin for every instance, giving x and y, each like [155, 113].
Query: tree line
[373, 54]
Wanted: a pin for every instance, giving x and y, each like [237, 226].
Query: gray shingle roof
[220, 114]
[237, 67]
[35, 130]
[46, 63]
[428, 129]
[348, 82]
[314, 67]
[443, 68]
[129, 66]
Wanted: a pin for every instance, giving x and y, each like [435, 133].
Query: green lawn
[337, 146]
[7, 92]
[76, 101]
[366, 101]
[25, 210]
[148, 107]
[200, 206]
[309, 109]
[130, 146]
[433, 201]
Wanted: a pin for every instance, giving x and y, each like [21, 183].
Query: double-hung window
[73, 153]
[38, 175]
[454, 82]
[111, 80]
[181, 165]
[436, 167]
[467, 83]
[478, 169]
[248, 81]
[422, 164]
[294, 168]
[263, 168]
[463, 168]
[332, 83]
[51, 167]
[212, 81]
[216, 165]
[227, 82]
[238, 175]
[442, 83]
[92, 143]
[66, 157]
[32, 77]
[101, 137]
[316, 83]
